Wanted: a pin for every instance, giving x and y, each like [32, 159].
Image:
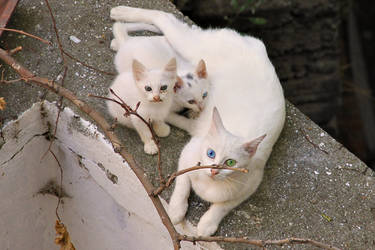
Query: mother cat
[240, 133]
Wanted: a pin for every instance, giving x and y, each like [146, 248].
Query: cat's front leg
[161, 128]
[150, 146]
[179, 200]
[210, 221]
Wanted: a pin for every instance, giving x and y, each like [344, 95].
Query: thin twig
[88, 66]
[59, 105]
[307, 137]
[27, 34]
[130, 111]
[259, 243]
[15, 50]
[63, 52]
[184, 171]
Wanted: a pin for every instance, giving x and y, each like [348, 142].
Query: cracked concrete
[306, 193]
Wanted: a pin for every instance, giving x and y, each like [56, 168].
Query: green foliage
[245, 6]
[258, 20]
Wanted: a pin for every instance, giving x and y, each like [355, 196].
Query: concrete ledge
[306, 192]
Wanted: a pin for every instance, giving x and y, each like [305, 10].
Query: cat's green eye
[164, 87]
[230, 162]
[205, 94]
[148, 88]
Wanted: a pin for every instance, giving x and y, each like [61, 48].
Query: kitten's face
[222, 148]
[193, 88]
[155, 85]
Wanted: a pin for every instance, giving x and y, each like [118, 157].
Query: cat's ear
[171, 66]
[139, 70]
[201, 69]
[216, 124]
[179, 83]
[252, 146]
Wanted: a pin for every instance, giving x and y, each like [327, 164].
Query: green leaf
[258, 20]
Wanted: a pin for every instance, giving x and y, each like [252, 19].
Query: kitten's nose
[156, 98]
[214, 172]
[200, 106]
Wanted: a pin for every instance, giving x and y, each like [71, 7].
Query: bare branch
[27, 34]
[184, 171]
[307, 137]
[129, 111]
[259, 243]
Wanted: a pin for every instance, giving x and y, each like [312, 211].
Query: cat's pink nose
[200, 106]
[156, 98]
[214, 172]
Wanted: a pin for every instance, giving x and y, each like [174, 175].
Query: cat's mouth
[156, 99]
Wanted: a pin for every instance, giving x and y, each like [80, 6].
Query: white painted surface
[98, 213]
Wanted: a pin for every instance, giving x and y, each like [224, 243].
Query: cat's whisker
[234, 180]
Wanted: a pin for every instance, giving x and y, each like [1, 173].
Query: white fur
[130, 87]
[154, 51]
[249, 98]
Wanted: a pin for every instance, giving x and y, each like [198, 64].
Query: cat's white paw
[176, 211]
[114, 45]
[161, 129]
[119, 13]
[207, 226]
[150, 148]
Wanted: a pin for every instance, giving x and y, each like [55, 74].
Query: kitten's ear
[179, 83]
[138, 70]
[252, 146]
[201, 69]
[216, 123]
[171, 67]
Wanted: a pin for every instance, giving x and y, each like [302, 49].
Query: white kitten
[248, 95]
[224, 188]
[154, 89]
[193, 84]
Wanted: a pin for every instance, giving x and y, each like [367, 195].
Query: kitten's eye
[164, 87]
[204, 94]
[148, 88]
[230, 162]
[211, 153]
[192, 102]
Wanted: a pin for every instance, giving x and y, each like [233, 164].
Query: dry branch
[259, 243]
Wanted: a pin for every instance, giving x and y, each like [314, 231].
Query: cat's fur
[249, 98]
[155, 104]
[192, 87]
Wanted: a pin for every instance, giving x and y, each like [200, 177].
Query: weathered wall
[302, 41]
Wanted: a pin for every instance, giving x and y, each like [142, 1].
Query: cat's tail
[120, 34]
[133, 27]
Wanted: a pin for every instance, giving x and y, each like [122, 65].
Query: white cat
[193, 83]
[154, 89]
[250, 100]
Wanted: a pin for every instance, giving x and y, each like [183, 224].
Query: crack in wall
[20, 150]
